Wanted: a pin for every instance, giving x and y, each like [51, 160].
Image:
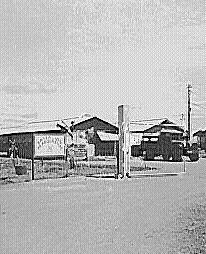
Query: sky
[65, 58]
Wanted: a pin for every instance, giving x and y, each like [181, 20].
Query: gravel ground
[191, 229]
[86, 215]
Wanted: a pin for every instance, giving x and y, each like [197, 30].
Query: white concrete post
[124, 140]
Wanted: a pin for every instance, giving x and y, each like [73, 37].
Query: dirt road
[86, 215]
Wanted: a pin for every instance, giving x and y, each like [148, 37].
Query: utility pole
[189, 110]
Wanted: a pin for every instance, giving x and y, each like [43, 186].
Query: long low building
[24, 137]
[96, 131]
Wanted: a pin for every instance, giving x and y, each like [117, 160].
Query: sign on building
[90, 150]
[135, 138]
[49, 145]
[79, 137]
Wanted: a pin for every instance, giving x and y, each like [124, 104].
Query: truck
[171, 145]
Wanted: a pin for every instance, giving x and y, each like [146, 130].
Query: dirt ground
[91, 215]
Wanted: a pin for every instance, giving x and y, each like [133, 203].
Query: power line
[148, 120]
[197, 105]
[49, 121]
[189, 110]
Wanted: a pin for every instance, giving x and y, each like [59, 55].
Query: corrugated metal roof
[142, 126]
[31, 127]
[77, 120]
[166, 124]
[164, 131]
[86, 118]
[42, 126]
[138, 128]
[171, 131]
[200, 133]
[151, 134]
[105, 136]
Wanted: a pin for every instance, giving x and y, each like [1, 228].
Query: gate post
[124, 141]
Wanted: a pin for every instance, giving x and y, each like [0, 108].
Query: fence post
[66, 153]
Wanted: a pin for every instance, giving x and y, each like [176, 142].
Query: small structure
[102, 134]
[201, 139]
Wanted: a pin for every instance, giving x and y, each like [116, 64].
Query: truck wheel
[194, 156]
[177, 152]
[177, 158]
[149, 156]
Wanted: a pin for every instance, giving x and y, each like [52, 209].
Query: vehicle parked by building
[167, 140]
[169, 144]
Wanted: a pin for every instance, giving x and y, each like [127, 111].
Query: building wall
[4, 144]
[105, 148]
[201, 139]
[102, 148]
[23, 142]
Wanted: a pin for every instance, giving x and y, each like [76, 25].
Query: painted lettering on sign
[49, 145]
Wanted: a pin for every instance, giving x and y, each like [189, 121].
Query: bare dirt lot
[88, 215]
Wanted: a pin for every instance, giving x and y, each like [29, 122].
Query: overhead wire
[197, 105]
